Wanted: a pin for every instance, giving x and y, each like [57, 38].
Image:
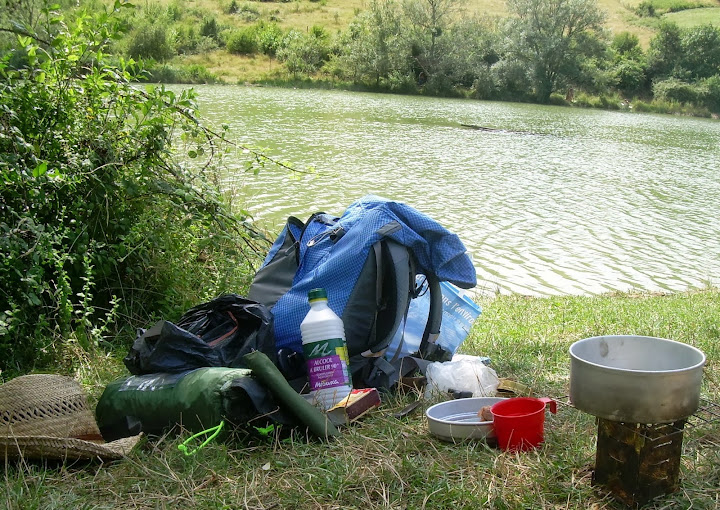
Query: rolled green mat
[270, 376]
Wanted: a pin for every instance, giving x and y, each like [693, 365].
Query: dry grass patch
[236, 68]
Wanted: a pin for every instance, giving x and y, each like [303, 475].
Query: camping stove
[637, 462]
[642, 390]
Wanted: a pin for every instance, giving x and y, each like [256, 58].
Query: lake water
[551, 200]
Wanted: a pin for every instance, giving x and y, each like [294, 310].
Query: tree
[473, 49]
[701, 48]
[304, 53]
[666, 54]
[686, 54]
[373, 47]
[428, 22]
[629, 66]
[553, 37]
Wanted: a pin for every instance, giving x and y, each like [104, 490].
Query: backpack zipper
[335, 234]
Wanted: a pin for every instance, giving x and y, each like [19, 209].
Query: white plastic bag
[464, 373]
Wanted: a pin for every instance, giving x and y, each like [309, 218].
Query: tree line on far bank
[543, 51]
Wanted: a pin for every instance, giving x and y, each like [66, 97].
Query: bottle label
[327, 362]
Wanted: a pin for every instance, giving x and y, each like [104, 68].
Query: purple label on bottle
[327, 363]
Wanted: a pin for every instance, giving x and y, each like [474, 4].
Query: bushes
[269, 38]
[98, 218]
[711, 97]
[210, 28]
[242, 41]
[304, 53]
[151, 41]
[646, 9]
[676, 90]
[629, 76]
[179, 74]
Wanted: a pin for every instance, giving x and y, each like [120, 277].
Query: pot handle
[549, 403]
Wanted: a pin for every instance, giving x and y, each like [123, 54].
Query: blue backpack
[367, 260]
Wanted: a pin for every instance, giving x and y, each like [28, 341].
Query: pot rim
[443, 420]
[700, 364]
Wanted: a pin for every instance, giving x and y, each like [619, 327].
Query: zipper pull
[334, 235]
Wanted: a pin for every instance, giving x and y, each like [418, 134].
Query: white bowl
[458, 419]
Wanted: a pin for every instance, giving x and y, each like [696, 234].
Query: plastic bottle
[325, 349]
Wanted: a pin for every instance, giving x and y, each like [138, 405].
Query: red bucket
[519, 422]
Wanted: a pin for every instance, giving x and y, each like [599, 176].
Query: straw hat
[47, 416]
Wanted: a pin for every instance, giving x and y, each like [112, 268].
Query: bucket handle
[549, 403]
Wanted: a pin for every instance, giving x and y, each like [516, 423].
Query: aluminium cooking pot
[636, 379]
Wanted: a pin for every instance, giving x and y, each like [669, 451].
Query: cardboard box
[354, 406]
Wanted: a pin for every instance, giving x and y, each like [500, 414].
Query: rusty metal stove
[638, 462]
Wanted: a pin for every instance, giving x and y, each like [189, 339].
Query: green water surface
[548, 200]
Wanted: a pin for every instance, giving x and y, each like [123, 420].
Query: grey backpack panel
[276, 277]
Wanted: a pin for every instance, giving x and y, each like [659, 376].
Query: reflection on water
[548, 201]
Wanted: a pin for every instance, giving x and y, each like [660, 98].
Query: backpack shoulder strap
[398, 271]
[429, 349]
[275, 277]
[384, 373]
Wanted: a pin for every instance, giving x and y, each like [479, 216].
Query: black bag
[213, 334]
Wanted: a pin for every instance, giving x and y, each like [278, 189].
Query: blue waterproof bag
[459, 312]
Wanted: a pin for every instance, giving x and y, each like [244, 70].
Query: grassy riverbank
[384, 462]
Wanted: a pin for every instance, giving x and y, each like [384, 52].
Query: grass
[693, 17]
[234, 69]
[384, 462]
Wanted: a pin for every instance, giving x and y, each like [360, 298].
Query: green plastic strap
[266, 431]
[183, 447]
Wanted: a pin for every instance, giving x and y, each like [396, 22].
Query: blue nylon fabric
[336, 266]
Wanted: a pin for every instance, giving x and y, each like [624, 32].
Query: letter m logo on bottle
[321, 350]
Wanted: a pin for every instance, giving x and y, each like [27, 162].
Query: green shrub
[206, 45]
[209, 27]
[151, 41]
[246, 11]
[242, 41]
[484, 86]
[629, 76]
[401, 83]
[304, 53]
[179, 74]
[605, 102]
[644, 107]
[269, 37]
[711, 98]
[232, 8]
[645, 9]
[675, 90]
[99, 216]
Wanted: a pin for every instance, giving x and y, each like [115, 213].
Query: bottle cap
[316, 294]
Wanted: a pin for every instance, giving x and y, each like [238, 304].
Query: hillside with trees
[657, 55]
